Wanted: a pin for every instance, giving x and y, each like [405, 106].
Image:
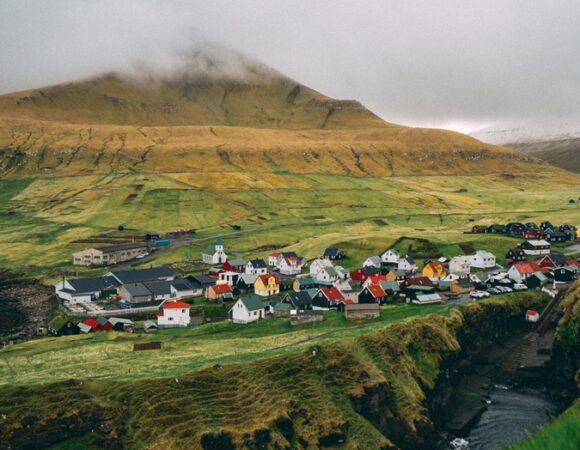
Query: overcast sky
[460, 64]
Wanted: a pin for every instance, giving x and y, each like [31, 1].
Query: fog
[463, 64]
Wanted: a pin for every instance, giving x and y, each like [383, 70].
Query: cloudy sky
[462, 64]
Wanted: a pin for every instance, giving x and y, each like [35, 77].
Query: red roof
[91, 323]
[293, 260]
[419, 281]
[572, 262]
[375, 279]
[275, 254]
[176, 305]
[532, 312]
[332, 294]
[376, 291]
[348, 301]
[527, 267]
[221, 288]
[266, 278]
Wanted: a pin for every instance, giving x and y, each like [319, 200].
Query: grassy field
[110, 355]
[41, 217]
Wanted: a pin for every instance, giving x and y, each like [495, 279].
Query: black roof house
[300, 300]
[143, 275]
[333, 253]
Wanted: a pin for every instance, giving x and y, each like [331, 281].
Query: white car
[141, 256]
[520, 287]
[478, 294]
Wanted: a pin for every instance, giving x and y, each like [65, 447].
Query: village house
[291, 265]
[299, 301]
[327, 275]
[461, 286]
[219, 292]
[62, 326]
[536, 280]
[303, 283]
[333, 254]
[272, 258]
[327, 298]
[214, 272]
[520, 271]
[372, 294]
[434, 270]
[407, 264]
[267, 285]
[199, 283]
[391, 257]
[564, 274]
[555, 236]
[374, 279]
[460, 265]
[214, 254]
[246, 282]
[175, 314]
[87, 289]
[228, 277]
[112, 254]
[391, 288]
[515, 255]
[533, 234]
[256, 267]
[483, 260]
[536, 247]
[342, 273]
[414, 291]
[247, 310]
[373, 261]
[121, 324]
[552, 260]
[235, 265]
[318, 264]
[515, 229]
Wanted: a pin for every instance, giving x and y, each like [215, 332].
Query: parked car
[478, 294]
[520, 287]
[141, 256]
[504, 289]
[494, 291]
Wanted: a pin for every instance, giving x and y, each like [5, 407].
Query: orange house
[434, 270]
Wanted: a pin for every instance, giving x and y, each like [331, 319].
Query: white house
[482, 260]
[214, 254]
[391, 257]
[343, 274]
[407, 264]
[247, 309]
[460, 264]
[175, 314]
[536, 247]
[318, 264]
[291, 265]
[256, 267]
[86, 289]
[373, 261]
[520, 272]
[228, 277]
[327, 275]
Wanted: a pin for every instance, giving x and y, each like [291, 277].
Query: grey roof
[558, 258]
[149, 324]
[115, 320]
[181, 285]
[300, 298]
[142, 275]
[248, 278]
[137, 290]
[200, 281]
[159, 287]
[84, 285]
[258, 263]
[121, 247]
[376, 260]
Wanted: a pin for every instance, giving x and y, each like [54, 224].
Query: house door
[261, 314]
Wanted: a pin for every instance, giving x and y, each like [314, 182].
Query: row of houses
[545, 231]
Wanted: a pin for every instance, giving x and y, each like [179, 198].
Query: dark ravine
[382, 390]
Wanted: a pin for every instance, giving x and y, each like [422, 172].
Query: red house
[376, 279]
[234, 266]
[553, 260]
[418, 281]
[532, 234]
[95, 326]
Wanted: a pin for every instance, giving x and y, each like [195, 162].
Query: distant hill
[557, 144]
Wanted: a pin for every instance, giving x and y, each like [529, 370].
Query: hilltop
[258, 121]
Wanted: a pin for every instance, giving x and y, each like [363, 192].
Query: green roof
[282, 306]
[306, 280]
[238, 262]
[419, 288]
[252, 303]
[330, 271]
[209, 250]
[312, 292]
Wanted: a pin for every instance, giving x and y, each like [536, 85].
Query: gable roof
[141, 275]
[306, 281]
[331, 252]
[376, 291]
[436, 266]
[332, 294]
[293, 260]
[252, 303]
[525, 268]
[248, 278]
[237, 262]
[84, 285]
[200, 281]
[376, 260]
[220, 289]
[557, 258]
[121, 247]
[265, 278]
[300, 298]
[257, 263]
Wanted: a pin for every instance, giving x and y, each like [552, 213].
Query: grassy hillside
[366, 385]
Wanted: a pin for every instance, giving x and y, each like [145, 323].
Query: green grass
[304, 213]
[562, 434]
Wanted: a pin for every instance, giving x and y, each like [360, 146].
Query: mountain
[258, 120]
[556, 144]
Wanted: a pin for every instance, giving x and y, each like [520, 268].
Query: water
[511, 417]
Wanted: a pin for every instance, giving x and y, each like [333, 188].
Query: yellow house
[434, 270]
[266, 285]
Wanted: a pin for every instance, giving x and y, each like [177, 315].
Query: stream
[510, 418]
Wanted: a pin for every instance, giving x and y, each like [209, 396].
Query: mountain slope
[260, 122]
[564, 153]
